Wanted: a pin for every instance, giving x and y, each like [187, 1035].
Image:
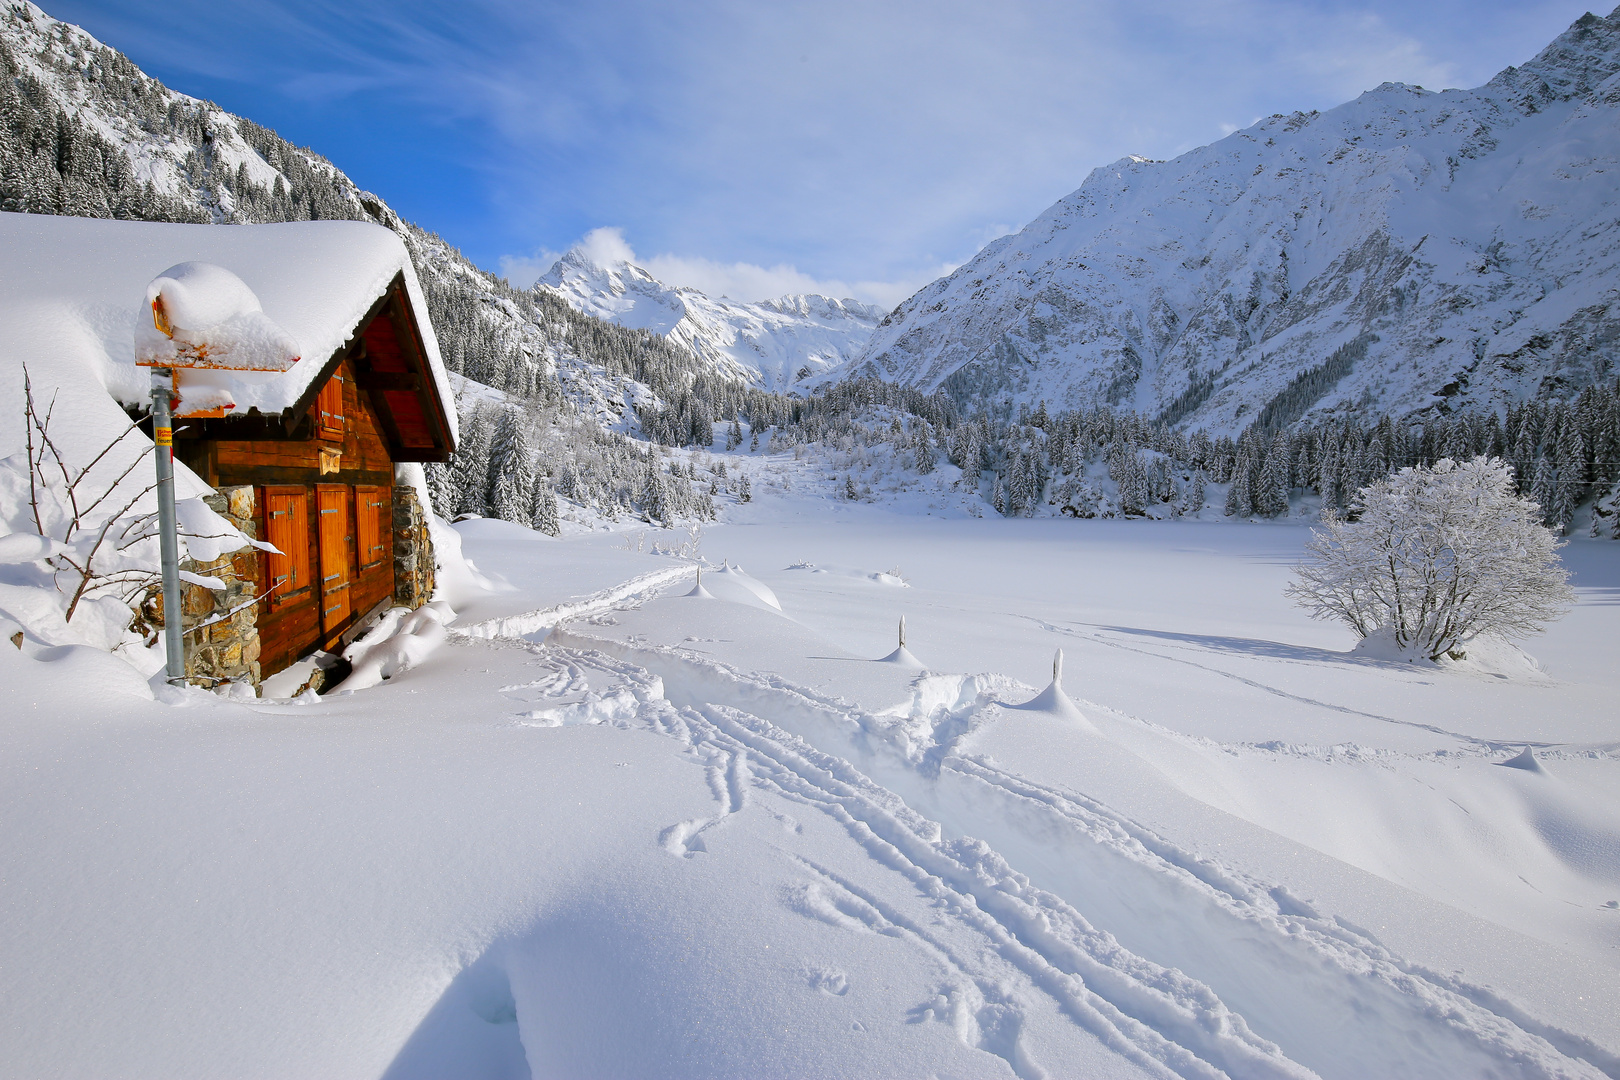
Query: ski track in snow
[1341, 999]
[532, 622]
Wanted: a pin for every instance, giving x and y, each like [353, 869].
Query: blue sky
[756, 148]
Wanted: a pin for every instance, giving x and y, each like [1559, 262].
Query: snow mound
[1525, 759]
[698, 590]
[207, 535]
[459, 579]
[1054, 701]
[1381, 645]
[400, 641]
[736, 575]
[903, 657]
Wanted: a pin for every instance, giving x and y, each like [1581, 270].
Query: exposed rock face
[1464, 246]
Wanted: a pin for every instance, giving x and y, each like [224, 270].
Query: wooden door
[334, 534]
[286, 522]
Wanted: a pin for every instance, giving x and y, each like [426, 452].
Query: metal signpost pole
[168, 530]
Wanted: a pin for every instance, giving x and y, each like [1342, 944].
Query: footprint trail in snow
[1329, 999]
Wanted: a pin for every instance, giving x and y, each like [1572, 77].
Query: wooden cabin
[322, 480]
[316, 457]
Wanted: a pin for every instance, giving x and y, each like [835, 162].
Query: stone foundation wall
[222, 631]
[413, 550]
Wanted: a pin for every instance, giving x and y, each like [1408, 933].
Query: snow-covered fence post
[168, 529]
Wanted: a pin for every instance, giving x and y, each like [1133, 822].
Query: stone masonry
[413, 550]
[222, 632]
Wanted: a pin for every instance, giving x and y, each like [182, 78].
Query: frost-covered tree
[441, 489]
[469, 466]
[545, 508]
[1270, 488]
[1130, 473]
[1239, 503]
[1439, 556]
[511, 470]
[654, 495]
[1193, 499]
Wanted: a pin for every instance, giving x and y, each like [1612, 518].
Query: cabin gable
[320, 484]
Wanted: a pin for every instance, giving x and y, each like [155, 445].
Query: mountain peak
[1405, 251]
[1576, 63]
[781, 343]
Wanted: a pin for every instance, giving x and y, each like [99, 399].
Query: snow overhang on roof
[72, 290]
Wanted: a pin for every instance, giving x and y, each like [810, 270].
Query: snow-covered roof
[72, 290]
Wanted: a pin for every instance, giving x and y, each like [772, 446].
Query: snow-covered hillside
[775, 344]
[1456, 248]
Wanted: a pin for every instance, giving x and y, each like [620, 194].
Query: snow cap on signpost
[204, 319]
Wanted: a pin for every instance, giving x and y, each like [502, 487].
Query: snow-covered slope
[1459, 247]
[774, 344]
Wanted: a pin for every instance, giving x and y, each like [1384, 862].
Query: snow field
[709, 836]
[1308, 985]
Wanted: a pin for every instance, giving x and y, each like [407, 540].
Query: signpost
[229, 308]
[174, 650]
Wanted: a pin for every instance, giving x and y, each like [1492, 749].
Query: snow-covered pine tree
[441, 488]
[1544, 491]
[654, 497]
[1239, 501]
[469, 466]
[1571, 464]
[1129, 473]
[1192, 500]
[1269, 490]
[545, 507]
[511, 470]
[923, 449]
[745, 489]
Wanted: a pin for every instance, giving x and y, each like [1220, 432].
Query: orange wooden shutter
[287, 527]
[329, 409]
[371, 510]
[332, 506]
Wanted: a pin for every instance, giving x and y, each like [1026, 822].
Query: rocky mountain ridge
[786, 343]
[1408, 251]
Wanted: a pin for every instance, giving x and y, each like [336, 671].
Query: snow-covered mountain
[775, 344]
[1408, 249]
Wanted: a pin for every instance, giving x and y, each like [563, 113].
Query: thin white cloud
[524, 270]
[872, 143]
